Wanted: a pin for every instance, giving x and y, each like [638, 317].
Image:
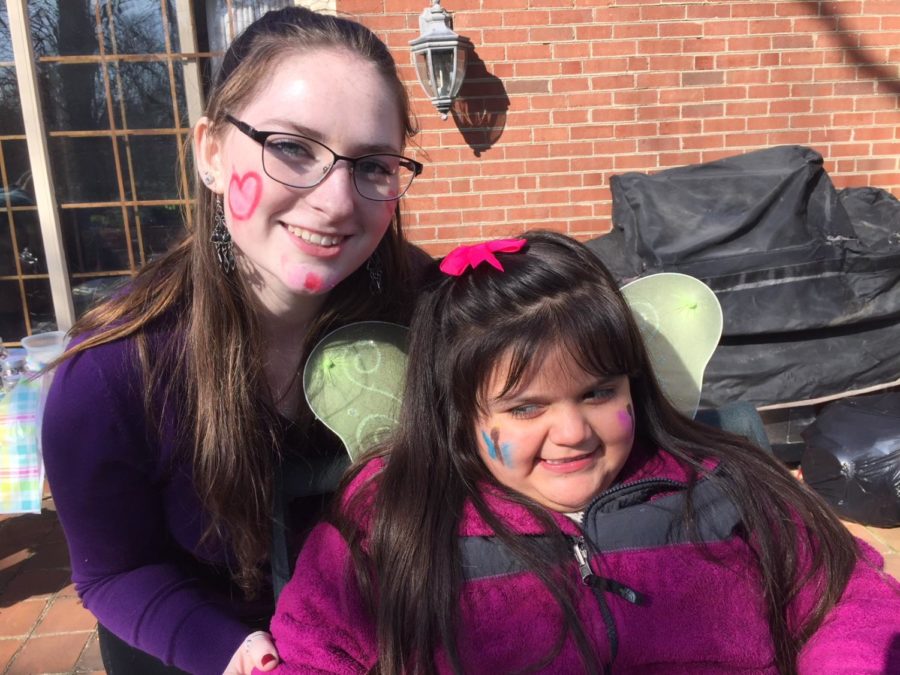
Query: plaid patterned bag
[21, 468]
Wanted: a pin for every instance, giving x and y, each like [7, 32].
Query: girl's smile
[561, 437]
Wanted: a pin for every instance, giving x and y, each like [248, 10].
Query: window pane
[95, 240]
[31, 244]
[146, 95]
[28, 239]
[63, 27]
[136, 27]
[156, 166]
[19, 191]
[40, 305]
[73, 96]
[10, 106]
[88, 292]
[83, 169]
[6, 53]
[12, 318]
[161, 228]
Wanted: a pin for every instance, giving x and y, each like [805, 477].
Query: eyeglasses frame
[261, 137]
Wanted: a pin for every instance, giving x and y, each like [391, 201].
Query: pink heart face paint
[244, 193]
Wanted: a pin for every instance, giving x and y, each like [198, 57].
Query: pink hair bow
[462, 257]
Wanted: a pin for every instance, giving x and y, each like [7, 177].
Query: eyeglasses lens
[303, 163]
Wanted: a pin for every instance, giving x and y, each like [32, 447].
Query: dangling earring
[221, 240]
[376, 273]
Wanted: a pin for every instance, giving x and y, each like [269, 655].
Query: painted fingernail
[267, 659]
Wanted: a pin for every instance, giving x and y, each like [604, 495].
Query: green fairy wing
[354, 378]
[353, 381]
[681, 321]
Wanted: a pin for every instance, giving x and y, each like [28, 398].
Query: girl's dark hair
[553, 293]
[225, 414]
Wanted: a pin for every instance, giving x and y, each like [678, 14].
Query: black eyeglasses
[301, 162]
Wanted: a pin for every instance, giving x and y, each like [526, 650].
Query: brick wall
[563, 94]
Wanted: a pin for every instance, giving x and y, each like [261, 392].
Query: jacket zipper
[616, 489]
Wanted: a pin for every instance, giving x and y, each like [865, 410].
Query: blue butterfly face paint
[497, 451]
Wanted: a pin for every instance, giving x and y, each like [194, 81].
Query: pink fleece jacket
[696, 615]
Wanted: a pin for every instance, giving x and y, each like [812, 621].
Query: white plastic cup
[43, 348]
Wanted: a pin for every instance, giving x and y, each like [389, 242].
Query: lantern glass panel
[422, 71]
[442, 61]
[461, 58]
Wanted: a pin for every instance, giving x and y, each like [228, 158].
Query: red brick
[725, 27]
[692, 95]
[874, 133]
[571, 16]
[658, 144]
[750, 44]
[755, 76]
[705, 110]
[679, 159]
[877, 164]
[680, 29]
[727, 124]
[702, 142]
[544, 166]
[680, 128]
[662, 12]
[635, 130]
[659, 112]
[769, 122]
[703, 78]
[725, 61]
[591, 132]
[552, 34]
[724, 93]
[635, 30]
[660, 46]
[756, 8]
[657, 80]
[709, 11]
[777, 27]
[791, 105]
[536, 69]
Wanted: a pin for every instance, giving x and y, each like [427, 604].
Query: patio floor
[44, 629]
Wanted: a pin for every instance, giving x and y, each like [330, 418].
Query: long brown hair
[554, 293]
[215, 371]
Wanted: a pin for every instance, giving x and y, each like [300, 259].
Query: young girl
[543, 508]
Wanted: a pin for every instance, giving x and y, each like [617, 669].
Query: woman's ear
[208, 156]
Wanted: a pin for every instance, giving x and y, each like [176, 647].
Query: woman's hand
[257, 651]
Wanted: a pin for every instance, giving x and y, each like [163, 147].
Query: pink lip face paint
[244, 193]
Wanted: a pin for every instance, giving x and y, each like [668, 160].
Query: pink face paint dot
[313, 282]
[626, 420]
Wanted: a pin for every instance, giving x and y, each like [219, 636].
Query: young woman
[542, 507]
[179, 397]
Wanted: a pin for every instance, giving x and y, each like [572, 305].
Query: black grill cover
[808, 277]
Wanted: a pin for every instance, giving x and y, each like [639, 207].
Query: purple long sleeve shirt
[124, 495]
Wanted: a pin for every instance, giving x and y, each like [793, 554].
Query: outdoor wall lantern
[439, 55]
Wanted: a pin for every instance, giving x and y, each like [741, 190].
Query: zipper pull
[583, 560]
